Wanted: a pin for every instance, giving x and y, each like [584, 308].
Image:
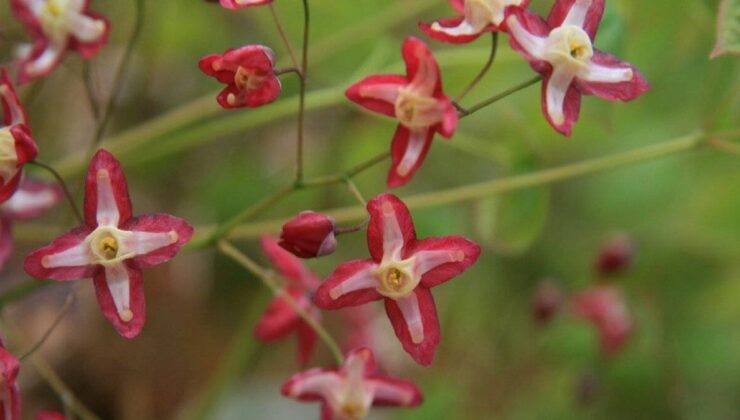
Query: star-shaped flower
[561, 49]
[112, 247]
[16, 144]
[248, 74]
[416, 101]
[30, 200]
[401, 271]
[57, 26]
[477, 17]
[280, 319]
[10, 400]
[238, 4]
[347, 393]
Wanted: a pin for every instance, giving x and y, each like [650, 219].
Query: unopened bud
[309, 235]
[616, 255]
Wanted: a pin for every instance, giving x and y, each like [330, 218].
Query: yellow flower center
[247, 79]
[569, 45]
[417, 111]
[353, 411]
[396, 279]
[108, 247]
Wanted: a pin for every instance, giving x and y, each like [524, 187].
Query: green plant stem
[63, 185]
[302, 93]
[724, 146]
[483, 71]
[268, 279]
[283, 35]
[464, 112]
[62, 312]
[87, 80]
[352, 187]
[340, 177]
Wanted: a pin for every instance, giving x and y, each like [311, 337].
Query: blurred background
[197, 358]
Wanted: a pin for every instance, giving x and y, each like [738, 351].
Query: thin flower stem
[67, 193]
[352, 229]
[483, 71]
[302, 93]
[340, 177]
[62, 313]
[724, 146]
[87, 80]
[283, 35]
[268, 279]
[104, 116]
[352, 187]
[464, 112]
[285, 70]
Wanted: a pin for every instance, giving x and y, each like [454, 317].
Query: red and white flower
[280, 319]
[561, 49]
[416, 101]
[606, 309]
[112, 247]
[10, 400]
[238, 4]
[309, 235]
[401, 271]
[30, 200]
[17, 147]
[349, 391]
[477, 17]
[248, 74]
[57, 26]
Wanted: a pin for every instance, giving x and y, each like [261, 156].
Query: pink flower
[112, 247]
[349, 391]
[17, 147]
[32, 198]
[605, 307]
[616, 255]
[416, 101]
[57, 26]
[238, 4]
[279, 318]
[10, 400]
[401, 271]
[248, 75]
[309, 235]
[478, 17]
[561, 49]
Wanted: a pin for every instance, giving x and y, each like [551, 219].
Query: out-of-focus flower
[348, 392]
[16, 144]
[248, 75]
[416, 101]
[616, 255]
[547, 301]
[605, 307]
[561, 49]
[238, 4]
[57, 26]
[10, 400]
[30, 200]
[112, 247]
[401, 271]
[309, 235]
[477, 17]
[280, 319]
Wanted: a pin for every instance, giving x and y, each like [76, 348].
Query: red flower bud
[547, 301]
[309, 235]
[616, 255]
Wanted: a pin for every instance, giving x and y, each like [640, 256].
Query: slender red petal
[105, 165]
[623, 91]
[458, 5]
[452, 22]
[8, 188]
[178, 228]
[307, 339]
[403, 139]
[375, 92]
[463, 251]
[311, 385]
[10, 402]
[418, 56]
[561, 8]
[344, 272]
[88, 49]
[279, 319]
[571, 108]
[535, 25]
[423, 352]
[396, 210]
[288, 265]
[6, 240]
[391, 391]
[25, 147]
[132, 327]
[34, 264]
[13, 111]
[237, 4]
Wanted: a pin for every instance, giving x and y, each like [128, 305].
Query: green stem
[67, 305]
[464, 112]
[302, 93]
[63, 185]
[283, 35]
[483, 71]
[340, 177]
[724, 146]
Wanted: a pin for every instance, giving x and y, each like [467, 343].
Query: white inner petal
[320, 383]
[427, 260]
[119, 286]
[16, 113]
[417, 140]
[107, 209]
[391, 392]
[577, 13]
[531, 43]
[141, 243]
[44, 62]
[87, 29]
[557, 88]
[410, 309]
[426, 77]
[363, 279]
[603, 74]
[25, 200]
[464, 28]
[387, 92]
[75, 256]
[392, 235]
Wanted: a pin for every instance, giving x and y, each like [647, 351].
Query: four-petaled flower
[30, 200]
[57, 26]
[402, 271]
[248, 74]
[416, 101]
[347, 393]
[561, 49]
[309, 235]
[16, 144]
[478, 17]
[112, 247]
[238, 4]
[605, 307]
[10, 400]
[280, 319]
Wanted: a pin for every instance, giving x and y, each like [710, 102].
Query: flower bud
[309, 235]
[547, 301]
[616, 255]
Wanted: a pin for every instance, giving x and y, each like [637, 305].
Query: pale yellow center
[417, 111]
[396, 279]
[569, 46]
[247, 79]
[108, 247]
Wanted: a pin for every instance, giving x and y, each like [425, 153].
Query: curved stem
[268, 279]
[724, 146]
[281, 31]
[62, 312]
[87, 80]
[483, 71]
[352, 187]
[67, 193]
[340, 177]
[464, 112]
[302, 93]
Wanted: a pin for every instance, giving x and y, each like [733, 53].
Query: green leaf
[728, 29]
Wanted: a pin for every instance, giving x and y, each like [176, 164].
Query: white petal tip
[417, 337]
[231, 99]
[102, 174]
[458, 256]
[173, 236]
[436, 26]
[126, 315]
[403, 170]
[45, 262]
[558, 118]
[334, 294]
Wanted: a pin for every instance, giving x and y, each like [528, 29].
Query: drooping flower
[30, 200]
[248, 74]
[401, 271]
[309, 235]
[17, 147]
[616, 255]
[57, 26]
[238, 4]
[416, 101]
[605, 307]
[347, 393]
[561, 49]
[10, 400]
[477, 17]
[112, 247]
[280, 319]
